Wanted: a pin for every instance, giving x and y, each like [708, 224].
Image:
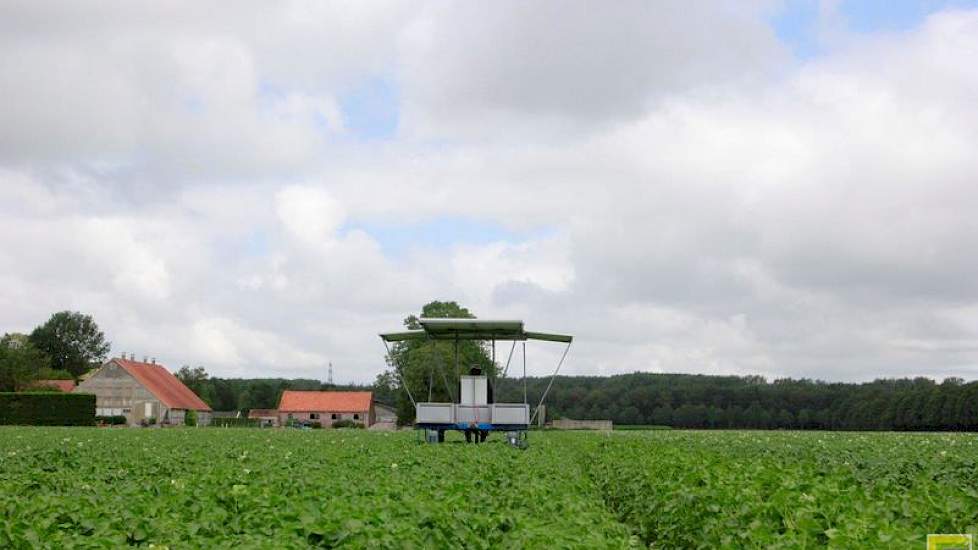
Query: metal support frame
[431, 380]
[524, 375]
[502, 378]
[397, 368]
[490, 376]
[552, 378]
[510, 358]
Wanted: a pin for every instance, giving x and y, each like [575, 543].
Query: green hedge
[234, 422]
[47, 409]
[347, 423]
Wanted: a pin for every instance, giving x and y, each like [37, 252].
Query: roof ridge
[162, 383]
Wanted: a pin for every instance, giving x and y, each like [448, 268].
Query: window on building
[291, 416]
[314, 416]
[356, 417]
[334, 416]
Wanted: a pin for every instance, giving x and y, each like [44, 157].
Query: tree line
[704, 401]
[70, 344]
[244, 394]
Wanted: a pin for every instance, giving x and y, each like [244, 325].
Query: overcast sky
[779, 188]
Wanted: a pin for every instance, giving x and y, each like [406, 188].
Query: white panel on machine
[435, 413]
[510, 413]
[474, 390]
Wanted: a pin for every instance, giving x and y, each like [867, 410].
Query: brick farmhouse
[326, 407]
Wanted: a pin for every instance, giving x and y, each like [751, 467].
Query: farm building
[326, 407]
[265, 417]
[384, 413]
[142, 391]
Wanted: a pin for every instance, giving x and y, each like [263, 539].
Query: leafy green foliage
[47, 409]
[72, 341]
[787, 489]
[190, 418]
[113, 420]
[90, 488]
[20, 363]
[701, 401]
[357, 489]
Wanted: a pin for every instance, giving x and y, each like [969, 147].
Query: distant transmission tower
[330, 379]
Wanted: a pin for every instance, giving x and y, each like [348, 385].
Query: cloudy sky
[780, 188]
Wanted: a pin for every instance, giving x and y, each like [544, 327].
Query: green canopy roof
[472, 329]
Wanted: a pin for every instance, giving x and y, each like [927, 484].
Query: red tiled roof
[63, 385]
[326, 401]
[258, 413]
[161, 383]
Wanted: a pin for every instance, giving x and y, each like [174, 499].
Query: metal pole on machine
[524, 372]
[431, 377]
[502, 378]
[491, 375]
[552, 378]
[400, 375]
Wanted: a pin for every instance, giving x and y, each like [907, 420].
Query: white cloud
[309, 214]
[224, 342]
[675, 193]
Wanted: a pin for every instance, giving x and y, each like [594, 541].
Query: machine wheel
[518, 440]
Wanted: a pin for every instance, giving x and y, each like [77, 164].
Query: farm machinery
[472, 409]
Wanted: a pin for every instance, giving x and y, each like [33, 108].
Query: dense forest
[686, 400]
[701, 401]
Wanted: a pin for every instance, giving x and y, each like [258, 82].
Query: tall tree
[72, 340]
[193, 378]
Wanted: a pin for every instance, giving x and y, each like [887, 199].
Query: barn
[326, 407]
[142, 391]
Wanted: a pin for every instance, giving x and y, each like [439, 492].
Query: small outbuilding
[326, 407]
[267, 418]
[384, 413]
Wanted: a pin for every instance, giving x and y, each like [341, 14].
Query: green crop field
[249, 488]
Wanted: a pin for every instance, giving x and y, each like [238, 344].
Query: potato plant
[251, 488]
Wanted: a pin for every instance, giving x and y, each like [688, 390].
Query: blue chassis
[462, 426]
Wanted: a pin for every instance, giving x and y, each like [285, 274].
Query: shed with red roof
[326, 407]
[143, 392]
